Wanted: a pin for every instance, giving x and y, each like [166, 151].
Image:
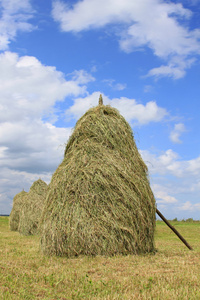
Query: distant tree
[190, 220]
[175, 220]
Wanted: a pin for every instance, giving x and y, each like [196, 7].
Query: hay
[100, 201]
[16, 210]
[32, 208]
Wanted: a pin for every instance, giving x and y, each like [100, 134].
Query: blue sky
[56, 57]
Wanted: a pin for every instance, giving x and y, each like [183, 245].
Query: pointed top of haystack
[100, 100]
[39, 187]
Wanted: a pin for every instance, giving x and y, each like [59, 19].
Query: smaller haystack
[32, 208]
[99, 201]
[14, 218]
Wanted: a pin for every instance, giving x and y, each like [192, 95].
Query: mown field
[172, 273]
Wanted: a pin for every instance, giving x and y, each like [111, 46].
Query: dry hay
[32, 208]
[100, 201]
[16, 210]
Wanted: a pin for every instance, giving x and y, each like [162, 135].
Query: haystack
[100, 201]
[32, 208]
[16, 210]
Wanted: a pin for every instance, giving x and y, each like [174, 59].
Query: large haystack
[16, 210]
[100, 201]
[32, 208]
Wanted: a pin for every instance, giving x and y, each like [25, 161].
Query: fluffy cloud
[168, 170]
[82, 77]
[28, 92]
[15, 16]
[175, 69]
[13, 182]
[33, 151]
[188, 206]
[194, 166]
[162, 194]
[150, 23]
[31, 146]
[129, 108]
[28, 88]
[176, 132]
[169, 162]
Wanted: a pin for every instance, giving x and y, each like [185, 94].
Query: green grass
[172, 273]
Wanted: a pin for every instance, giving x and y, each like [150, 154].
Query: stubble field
[172, 273]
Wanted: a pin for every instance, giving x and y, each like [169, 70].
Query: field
[172, 273]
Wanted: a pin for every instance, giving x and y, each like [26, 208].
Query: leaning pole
[173, 229]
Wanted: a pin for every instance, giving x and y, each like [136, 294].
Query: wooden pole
[173, 229]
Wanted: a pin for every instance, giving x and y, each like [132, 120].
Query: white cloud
[33, 146]
[30, 145]
[162, 194]
[13, 182]
[34, 150]
[119, 86]
[167, 71]
[14, 17]
[175, 69]
[28, 88]
[188, 206]
[176, 132]
[28, 92]
[169, 169]
[89, 14]
[115, 86]
[82, 77]
[2, 152]
[129, 108]
[174, 181]
[166, 163]
[194, 166]
[149, 23]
